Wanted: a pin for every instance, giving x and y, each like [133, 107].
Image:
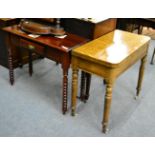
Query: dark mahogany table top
[66, 44]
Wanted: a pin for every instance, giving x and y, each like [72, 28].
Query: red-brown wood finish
[53, 48]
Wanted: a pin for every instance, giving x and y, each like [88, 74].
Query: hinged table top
[111, 48]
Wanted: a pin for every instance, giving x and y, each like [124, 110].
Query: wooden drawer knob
[31, 47]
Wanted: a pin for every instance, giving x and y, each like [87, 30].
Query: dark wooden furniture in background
[88, 28]
[147, 22]
[53, 48]
[129, 24]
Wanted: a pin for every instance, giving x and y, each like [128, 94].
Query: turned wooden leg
[74, 89]
[107, 104]
[30, 63]
[82, 85]
[152, 57]
[141, 74]
[10, 64]
[65, 90]
[85, 86]
[20, 58]
[88, 82]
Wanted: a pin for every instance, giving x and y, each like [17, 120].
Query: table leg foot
[12, 82]
[105, 128]
[64, 112]
[136, 97]
[73, 112]
[85, 101]
[152, 63]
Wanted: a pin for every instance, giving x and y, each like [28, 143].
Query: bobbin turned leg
[65, 90]
[107, 104]
[141, 74]
[74, 89]
[10, 64]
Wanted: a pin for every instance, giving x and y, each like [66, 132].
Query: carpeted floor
[32, 107]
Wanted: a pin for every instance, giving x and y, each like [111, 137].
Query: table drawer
[32, 46]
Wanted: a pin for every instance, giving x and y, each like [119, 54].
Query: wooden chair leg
[152, 57]
[82, 85]
[20, 59]
[30, 63]
[88, 82]
[85, 86]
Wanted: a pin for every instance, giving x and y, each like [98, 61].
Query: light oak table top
[108, 57]
[112, 48]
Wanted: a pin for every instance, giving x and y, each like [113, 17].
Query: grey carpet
[32, 107]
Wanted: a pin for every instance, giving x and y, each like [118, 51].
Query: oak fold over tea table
[109, 56]
[48, 46]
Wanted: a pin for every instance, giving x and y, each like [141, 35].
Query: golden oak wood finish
[109, 56]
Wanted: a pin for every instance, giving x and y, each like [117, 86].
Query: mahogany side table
[53, 48]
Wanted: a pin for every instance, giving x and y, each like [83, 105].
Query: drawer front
[32, 46]
[54, 54]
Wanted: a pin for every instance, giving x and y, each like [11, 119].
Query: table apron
[48, 52]
[108, 72]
